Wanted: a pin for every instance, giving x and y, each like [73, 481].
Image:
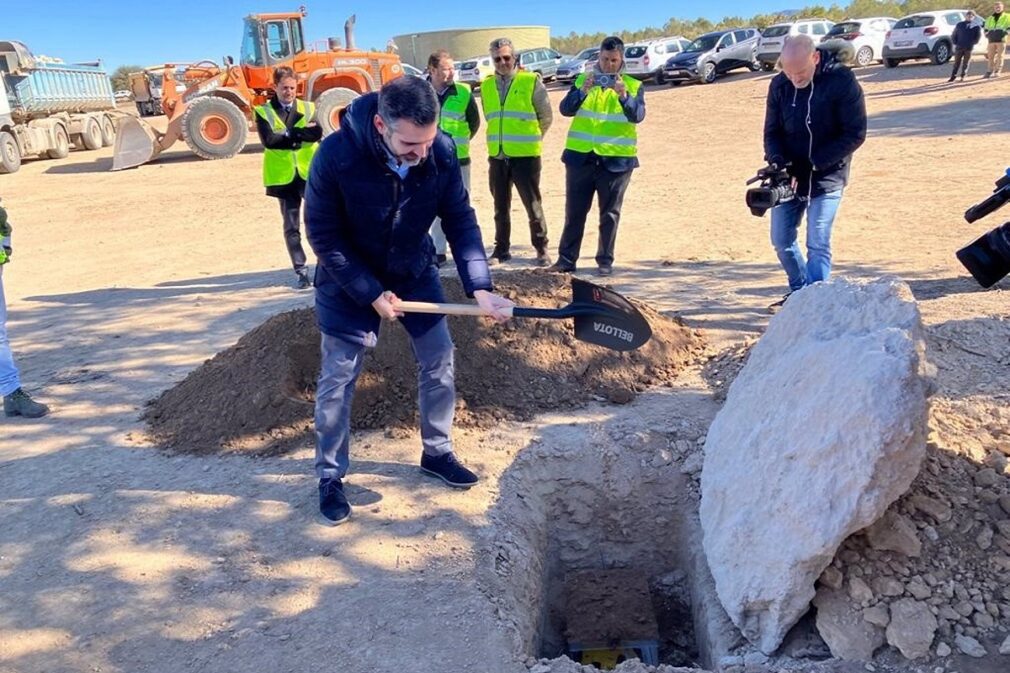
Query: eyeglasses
[503, 59]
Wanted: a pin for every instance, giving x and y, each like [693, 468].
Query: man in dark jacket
[374, 189]
[815, 120]
[966, 35]
[290, 135]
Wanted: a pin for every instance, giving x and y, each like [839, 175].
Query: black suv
[714, 54]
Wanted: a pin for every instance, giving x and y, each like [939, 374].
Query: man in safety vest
[600, 153]
[290, 136]
[996, 28]
[459, 119]
[518, 114]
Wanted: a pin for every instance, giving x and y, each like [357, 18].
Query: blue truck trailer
[47, 108]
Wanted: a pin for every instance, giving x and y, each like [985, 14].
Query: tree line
[575, 42]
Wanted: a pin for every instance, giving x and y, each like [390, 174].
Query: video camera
[988, 257]
[776, 187]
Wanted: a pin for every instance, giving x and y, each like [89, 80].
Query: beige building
[462, 43]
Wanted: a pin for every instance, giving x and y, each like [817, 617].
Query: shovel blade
[136, 144]
[613, 322]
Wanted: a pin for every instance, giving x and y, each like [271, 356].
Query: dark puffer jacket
[816, 129]
[369, 228]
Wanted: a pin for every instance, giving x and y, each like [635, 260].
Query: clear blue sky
[146, 32]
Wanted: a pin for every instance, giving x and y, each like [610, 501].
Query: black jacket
[966, 35]
[816, 129]
[291, 140]
[369, 228]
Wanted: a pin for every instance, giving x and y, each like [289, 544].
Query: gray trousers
[436, 227]
[342, 360]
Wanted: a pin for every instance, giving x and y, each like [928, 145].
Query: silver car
[578, 64]
[543, 60]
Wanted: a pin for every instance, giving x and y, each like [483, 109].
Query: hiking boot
[333, 506]
[448, 469]
[777, 306]
[303, 282]
[440, 260]
[20, 403]
[604, 270]
[543, 259]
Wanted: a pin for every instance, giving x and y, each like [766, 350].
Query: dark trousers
[291, 211]
[524, 173]
[581, 184]
[962, 58]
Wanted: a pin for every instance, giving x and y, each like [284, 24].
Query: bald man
[815, 120]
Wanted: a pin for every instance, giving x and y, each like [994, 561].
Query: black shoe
[440, 260]
[604, 270]
[952, 78]
[988, 75]
[448, 469]
[774, 308]
[962, 78]
[543, 259]
[20, 403]
[499, 257]
[333, 506]
[303, 282]
[561, 267]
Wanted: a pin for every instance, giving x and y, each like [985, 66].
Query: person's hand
[311, 125]
[498, 308]
[588, 83]
[383, 305]
[620, 88]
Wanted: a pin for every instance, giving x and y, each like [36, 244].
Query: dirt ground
[118, 557]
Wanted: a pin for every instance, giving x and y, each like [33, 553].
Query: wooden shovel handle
[444, 309]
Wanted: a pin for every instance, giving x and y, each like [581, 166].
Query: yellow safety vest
[512, 127]
[600, 126]
[1003, 24]
[452, 119]
[281, 166]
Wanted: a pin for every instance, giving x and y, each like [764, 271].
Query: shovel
[602, 316]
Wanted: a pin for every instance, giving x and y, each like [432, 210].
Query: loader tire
[62, 148]
[328, 107]
[108, 131]
[10, 153]
[214, 128]
[91, 136]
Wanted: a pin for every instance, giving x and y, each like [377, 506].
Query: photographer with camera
[600, 153]
[815, 120]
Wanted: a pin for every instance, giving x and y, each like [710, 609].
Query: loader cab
[268, 41]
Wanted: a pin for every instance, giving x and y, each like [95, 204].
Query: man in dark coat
[966, 35]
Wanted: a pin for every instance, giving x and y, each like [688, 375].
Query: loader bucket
[137, 143]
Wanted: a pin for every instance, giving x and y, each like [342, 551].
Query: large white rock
[823, 428]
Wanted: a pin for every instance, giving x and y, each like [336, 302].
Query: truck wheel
[10, 154]
[91, 136]
[108, 131]
[329, 105]
[214, 128]
[62, 148]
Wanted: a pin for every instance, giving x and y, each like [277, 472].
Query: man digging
[374, 189]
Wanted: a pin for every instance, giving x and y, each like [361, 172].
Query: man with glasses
[518, 114]
[600, 153]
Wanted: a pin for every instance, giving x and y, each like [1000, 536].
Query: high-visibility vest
[512, 127]
[281, 166]
[1003, 24]
[452, 119]
[600, 126]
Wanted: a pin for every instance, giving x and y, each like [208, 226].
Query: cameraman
[815, 119]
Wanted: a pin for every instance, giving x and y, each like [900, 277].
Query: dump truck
[146, 89]
[47, 107]
[214, 113]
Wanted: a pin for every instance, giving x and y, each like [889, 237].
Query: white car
[774, 37]
[645, 60]
[866, 36]
[922, 35]
[411, 70]
[475, 70]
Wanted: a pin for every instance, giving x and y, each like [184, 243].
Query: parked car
[122, 94]
[475, 70]
[645, 60]
[543, 60]
[411, 70]
[774, 37]
[922, 35]
[865, 35]
[578, 64]
[714, 54]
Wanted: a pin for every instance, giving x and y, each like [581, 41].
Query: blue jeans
[342, 360]
[821, 211]
[9, 379]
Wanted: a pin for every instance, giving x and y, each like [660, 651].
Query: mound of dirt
[258, 394]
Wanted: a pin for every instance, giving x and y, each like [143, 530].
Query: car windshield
[635, 52]
[587, 54]
[915, 22]
[468, 65]
[704, 43]
[775, 31]
[843, 28]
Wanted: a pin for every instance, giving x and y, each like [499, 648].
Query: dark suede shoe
[543, 258]
[561, 267]
[333, 506]
[440, 260]
[20, 403]
[499, 258]
[604, 270]
[448, 469]
[777, 306]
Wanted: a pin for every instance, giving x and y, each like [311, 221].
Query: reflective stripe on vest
[600, 126]
[281, 166]
[452, 119]
[512, 127]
